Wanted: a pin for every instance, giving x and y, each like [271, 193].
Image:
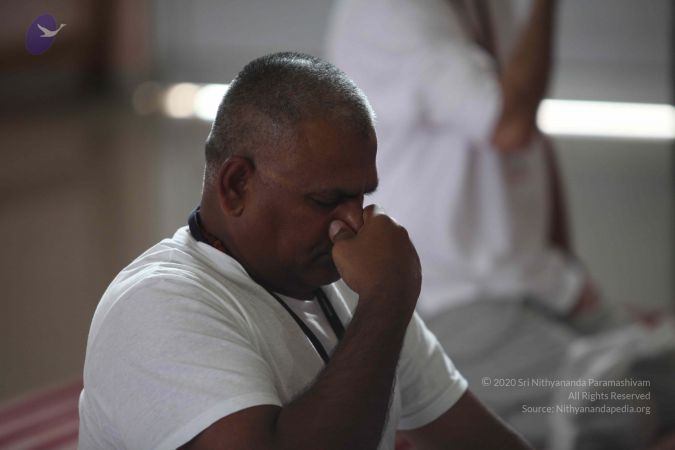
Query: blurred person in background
[456, 86]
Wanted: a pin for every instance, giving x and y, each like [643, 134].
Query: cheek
[305, 233]
[296, 232]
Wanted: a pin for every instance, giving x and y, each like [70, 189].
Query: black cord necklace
[335, 323]
[201, 235]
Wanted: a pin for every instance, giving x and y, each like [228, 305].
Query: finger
[371, 211]
[338, 230]
[353, 217]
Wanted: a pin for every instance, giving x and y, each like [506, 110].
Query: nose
[351, 213]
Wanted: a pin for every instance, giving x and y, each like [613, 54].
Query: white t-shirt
[309, 311]
[478, 218]
[183, 337]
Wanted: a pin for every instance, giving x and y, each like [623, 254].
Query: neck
[203, 223]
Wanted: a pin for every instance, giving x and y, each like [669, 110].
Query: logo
[41, 33]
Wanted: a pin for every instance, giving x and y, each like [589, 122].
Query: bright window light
[607, 119]
[557, 117]
[179, 100]
[207, 100]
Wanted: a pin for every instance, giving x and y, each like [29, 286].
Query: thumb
[338, 230]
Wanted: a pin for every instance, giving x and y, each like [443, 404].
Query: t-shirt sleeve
[165, 365]
[429, 382]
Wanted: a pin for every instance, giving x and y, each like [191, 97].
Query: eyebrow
[344, 194]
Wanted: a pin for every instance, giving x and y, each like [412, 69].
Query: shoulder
[176, 281]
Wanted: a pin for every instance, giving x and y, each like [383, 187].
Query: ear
[234, 182]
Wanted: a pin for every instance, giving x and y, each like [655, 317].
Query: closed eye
[326, 203]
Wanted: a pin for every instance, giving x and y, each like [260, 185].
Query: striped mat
[43, 420]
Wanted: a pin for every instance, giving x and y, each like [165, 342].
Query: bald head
[261, 113]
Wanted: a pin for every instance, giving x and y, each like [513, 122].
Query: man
[238, 333]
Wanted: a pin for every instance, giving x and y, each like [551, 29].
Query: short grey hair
[271, 96]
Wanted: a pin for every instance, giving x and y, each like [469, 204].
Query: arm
[467, 425]
[559, 228]
[347, 406]
[524, 79]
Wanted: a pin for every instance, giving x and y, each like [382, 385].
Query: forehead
[331, 155]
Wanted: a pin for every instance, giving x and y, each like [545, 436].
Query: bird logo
[50, 33]
[41, 33]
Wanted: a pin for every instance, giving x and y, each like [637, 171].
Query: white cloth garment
[310, 313]
[478, 218]
[184, 337]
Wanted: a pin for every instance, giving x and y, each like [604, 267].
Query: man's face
[293, 200]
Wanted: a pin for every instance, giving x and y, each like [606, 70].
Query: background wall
[86, 184]
[616, 50]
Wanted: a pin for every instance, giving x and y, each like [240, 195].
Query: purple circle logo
[41, 33]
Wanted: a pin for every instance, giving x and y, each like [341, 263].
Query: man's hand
[378, 261]
[346, 406]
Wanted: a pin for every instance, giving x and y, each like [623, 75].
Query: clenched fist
[378, 261]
